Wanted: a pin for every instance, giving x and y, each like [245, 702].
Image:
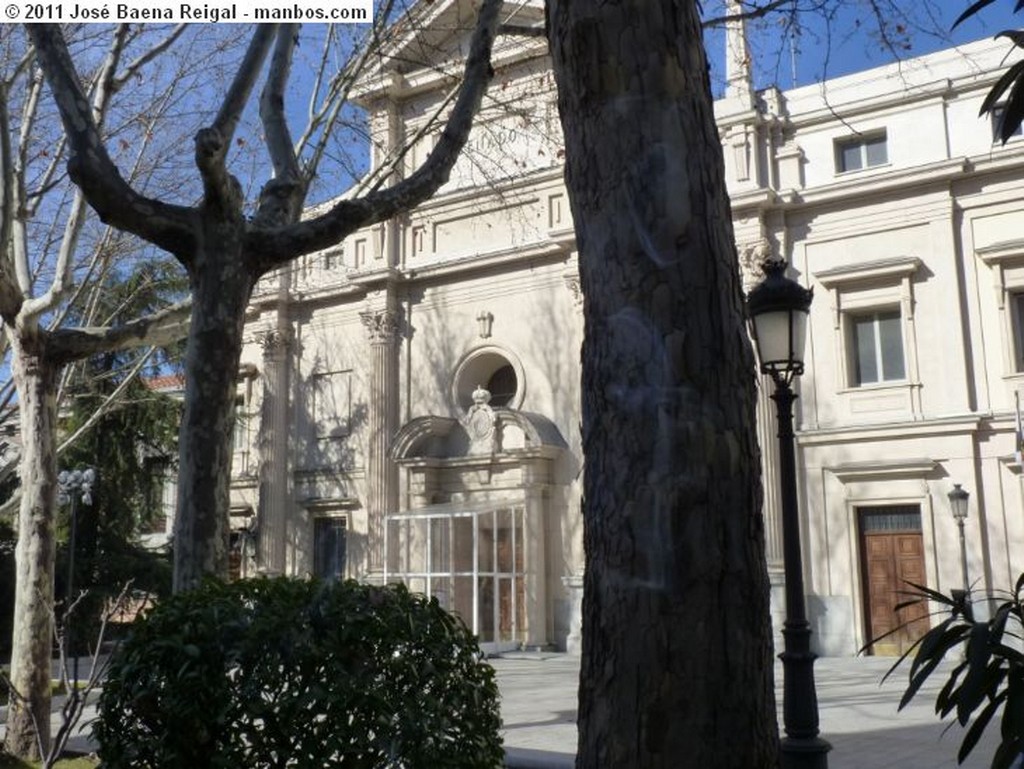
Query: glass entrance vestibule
[472, 559]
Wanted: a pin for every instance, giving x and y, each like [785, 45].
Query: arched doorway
[471, 529]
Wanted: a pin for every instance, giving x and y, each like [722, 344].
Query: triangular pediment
[434, 37]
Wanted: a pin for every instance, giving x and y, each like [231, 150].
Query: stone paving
[858, 716]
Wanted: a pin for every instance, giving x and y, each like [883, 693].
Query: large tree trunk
[221, 287]
[677, 665]
[36, 381]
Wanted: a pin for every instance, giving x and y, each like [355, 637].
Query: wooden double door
[892, 555]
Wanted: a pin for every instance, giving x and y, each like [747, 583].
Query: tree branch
[756, 12]
[11, 298]
[141, 61]
[281, 198]
[221, 191]
[269, 249]
[161, 328]
[245, 78]
[103, 91]
[275, 124]
[339, 88]
[109, 402]
[172, 228]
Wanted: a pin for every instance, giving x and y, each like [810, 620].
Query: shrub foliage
[294, 673]
[987, 673]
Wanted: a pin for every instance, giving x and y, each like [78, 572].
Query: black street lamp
[72, 485]
[958, 504]
[778, 308]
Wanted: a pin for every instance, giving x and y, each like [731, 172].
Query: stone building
[409, 405]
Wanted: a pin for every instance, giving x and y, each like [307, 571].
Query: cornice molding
[884, 469]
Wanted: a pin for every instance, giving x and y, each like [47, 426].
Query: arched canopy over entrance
[471, 529]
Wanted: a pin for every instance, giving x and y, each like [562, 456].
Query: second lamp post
[778, 308]
[958, 504]
[72, 485]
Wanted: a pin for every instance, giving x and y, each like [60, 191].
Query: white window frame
[861, 143]
[852, 350]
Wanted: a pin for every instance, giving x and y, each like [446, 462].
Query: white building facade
[409, 405]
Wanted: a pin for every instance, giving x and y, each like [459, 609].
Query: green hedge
[293, 673]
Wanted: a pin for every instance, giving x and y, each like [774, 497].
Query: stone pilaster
[382, 414]
[751, 257]
[273, 447]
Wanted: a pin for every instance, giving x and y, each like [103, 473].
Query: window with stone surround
[1016, 309]
[331, 394]
[872, 308]
[329, 554]
[856, 153]
[1005, 260]
[875, 346]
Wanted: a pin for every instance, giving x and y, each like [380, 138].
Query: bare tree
[225, 252]
[37, 285]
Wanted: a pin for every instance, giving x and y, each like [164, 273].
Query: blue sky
[848, 40]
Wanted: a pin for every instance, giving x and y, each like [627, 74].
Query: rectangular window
[876, 347]
[861, 152]
[890, 518]
[1017, 311]
[329, 548]
[331, 394]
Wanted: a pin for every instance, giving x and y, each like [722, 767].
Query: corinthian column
[273, 447]
[382, 413]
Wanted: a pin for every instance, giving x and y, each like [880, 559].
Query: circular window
[495, 370]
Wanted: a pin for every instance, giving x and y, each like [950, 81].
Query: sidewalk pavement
[858, 716]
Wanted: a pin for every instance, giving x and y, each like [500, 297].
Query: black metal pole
[801, 748]
[963, 556]
[71, 589]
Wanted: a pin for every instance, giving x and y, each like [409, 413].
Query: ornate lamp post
[958, 504]
[778, 308]
[72, 485]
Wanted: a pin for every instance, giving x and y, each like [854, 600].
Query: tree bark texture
[36, 380]
[221, 285]
[677, 646]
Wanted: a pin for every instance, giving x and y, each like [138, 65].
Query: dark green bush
[294, 673]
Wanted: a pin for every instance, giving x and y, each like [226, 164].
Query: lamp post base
[804, 753]
[800, 746]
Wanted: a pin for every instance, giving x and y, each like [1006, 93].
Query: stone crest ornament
[480, 422]
[485, 320]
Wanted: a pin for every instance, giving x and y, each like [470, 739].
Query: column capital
[381, 325]
[274, 341]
